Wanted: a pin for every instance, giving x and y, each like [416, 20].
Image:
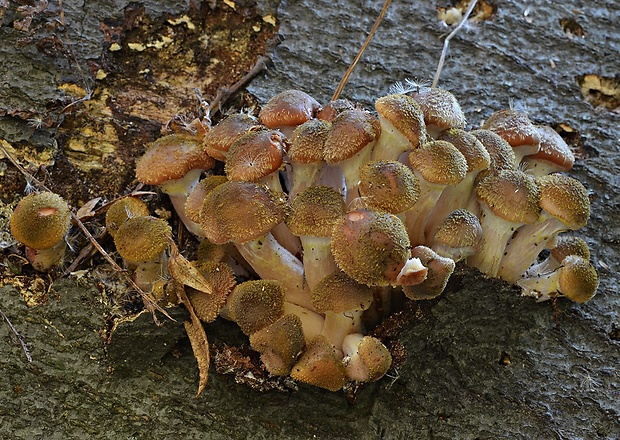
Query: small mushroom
[279, 344]
[349, 145]
[459, 236]
[256, 304]
[141, 242]
[41, 221]
[287, 110]
[438, 273]
[370, 247]
[175, 163]
[342, 300]
[314, 212]
[517, 129]
[366, 358]
[218, 141]
[320, 365]
[561, 247]
[565, 205]
[402, 126]
[306, 153]
[436, 165]
[575, 279]
[441, 110]
[554, 155]
[508, 200]
[122, 210]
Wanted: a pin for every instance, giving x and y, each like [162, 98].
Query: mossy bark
[482, 362]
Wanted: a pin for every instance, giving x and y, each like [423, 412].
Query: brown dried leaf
[185, 273]
[87, 210]
[198, 339]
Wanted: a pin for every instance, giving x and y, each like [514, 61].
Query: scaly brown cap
[320, 365]
[352, 130]
[217, 142]
[389, 186]
[240, 212]
[279, 344]
[405, 115]
[340, 293]
[315, 211]
[439, 162]
[511, 195]
[142, 239]
[564, 198]
[289, 108]
[255, 155]
[122, 210]
[254, 305]
[170, 158]
[41, 220]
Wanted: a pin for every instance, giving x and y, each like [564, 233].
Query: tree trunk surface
[482, 362]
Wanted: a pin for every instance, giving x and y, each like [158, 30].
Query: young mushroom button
[41, 221]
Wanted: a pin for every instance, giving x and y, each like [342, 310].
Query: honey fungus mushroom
[141, 242]
[41, 221]
[175, 163]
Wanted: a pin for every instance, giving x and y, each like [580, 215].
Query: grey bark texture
[563, 378]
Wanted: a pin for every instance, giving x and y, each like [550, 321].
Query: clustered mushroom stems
[334, 211]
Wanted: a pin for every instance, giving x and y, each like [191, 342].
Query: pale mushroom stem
[271, 261]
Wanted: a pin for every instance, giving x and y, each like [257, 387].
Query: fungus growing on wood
[575, 279]
[402, 126]
[122, 210]
[565, 206]
[41, 221]
[174, 163]
[508, 200]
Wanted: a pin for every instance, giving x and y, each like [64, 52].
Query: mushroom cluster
[323, 217]
[328, 214]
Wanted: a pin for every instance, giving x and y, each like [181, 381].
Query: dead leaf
[87, 210]
[185, 273]
[198, 339]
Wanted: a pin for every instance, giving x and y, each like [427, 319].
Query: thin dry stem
[347, 74]
[446, 42]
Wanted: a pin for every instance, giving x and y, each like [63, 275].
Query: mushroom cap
[564, 198]
[501, 154]
[222, 281]
[553, 149]
[440, 108]
[255, 155]
[439, 162]
[279, 344]
[352, 130]
[388, 185]
[240, 212]
[475, 154]
[515, 127]
[124, 209]
[315, 211]
[370, 247]
[170, 158]
[217, 142]
[367, 358]
[339, 293]
[308, 142]
[193, 204]
[142, 239]
[333, 109]
[41, 220]
[565, 245]
[289, 108]
[254, 305]
[320, 365]
[511, 195]
[578, 279]
[460, 229]
[405, 115]
[438, 274]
